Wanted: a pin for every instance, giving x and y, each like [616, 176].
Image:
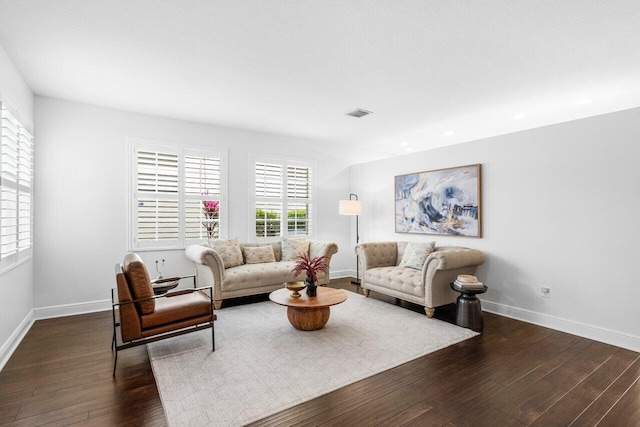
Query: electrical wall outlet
[545, 292]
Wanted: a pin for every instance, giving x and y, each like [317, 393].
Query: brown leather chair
[145, 317]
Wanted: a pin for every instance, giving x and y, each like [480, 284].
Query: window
[283, 198]
[16, 183]
[178, 196]
[203, 194]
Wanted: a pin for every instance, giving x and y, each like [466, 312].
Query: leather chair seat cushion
[177, 308]
[402, 279]
[139, 282]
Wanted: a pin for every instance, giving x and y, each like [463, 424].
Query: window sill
[15, 265]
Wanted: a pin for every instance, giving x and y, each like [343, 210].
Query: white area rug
[263, 365]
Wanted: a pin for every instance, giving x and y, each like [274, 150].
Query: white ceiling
[295, 67]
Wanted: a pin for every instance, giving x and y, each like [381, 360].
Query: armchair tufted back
[379, 254]
[386, 254]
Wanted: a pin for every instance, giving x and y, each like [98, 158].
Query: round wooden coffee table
[308, 314]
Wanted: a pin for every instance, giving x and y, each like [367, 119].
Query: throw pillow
[415, 254]
[229, 251]
[258, 254]
[291, 248]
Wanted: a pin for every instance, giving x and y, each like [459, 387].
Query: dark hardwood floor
[514, 373]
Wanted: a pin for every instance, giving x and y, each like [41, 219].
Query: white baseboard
[339, 274]
[607, 336]
[15, 339]
[72, 309]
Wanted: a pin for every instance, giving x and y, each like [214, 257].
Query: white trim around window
[168, 187]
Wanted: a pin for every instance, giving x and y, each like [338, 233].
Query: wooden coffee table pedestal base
[308, 319]
[309, 313]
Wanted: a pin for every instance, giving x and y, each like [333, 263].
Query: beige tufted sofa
[428, 287]
[251, 279]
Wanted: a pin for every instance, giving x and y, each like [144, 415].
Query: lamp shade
[350, 207]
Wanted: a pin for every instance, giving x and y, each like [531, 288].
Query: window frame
[181, 242]
[20, 186]
[285, 200]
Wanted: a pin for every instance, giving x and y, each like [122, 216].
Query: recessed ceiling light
[584, 101]
[404, 143]
[448, 133]
[519, 116]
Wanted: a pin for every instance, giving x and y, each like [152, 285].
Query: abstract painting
[443, 201]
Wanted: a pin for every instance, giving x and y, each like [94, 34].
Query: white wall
[561, 208]
[16, 285]
[81, 202]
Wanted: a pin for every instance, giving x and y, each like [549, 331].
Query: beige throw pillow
[291, 248]
[415, 254]
[259, 254]
[229, 251]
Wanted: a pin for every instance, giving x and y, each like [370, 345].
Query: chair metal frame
[115, 347]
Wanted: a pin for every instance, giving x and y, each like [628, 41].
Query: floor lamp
[353, 206]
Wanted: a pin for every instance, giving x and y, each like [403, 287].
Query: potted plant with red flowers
[211, 211]
[311, 267]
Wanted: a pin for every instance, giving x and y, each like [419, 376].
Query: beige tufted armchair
[428, 287]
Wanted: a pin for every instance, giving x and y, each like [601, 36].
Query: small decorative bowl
[295, 287]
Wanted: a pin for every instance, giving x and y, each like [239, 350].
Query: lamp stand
[353, 207]
[357, 281]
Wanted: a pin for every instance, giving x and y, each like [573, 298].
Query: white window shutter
[157, 205]
[16, 193]
[202, 183]
[283, 189]
[170, 188]
[25, 199]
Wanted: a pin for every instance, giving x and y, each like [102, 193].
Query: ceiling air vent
[359, 113]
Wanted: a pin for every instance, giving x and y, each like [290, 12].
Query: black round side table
[469, 310]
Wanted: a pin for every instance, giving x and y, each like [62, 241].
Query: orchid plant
[310, 266]
[211, 211]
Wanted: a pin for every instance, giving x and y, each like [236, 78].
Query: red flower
[310, 266]
[211, 210]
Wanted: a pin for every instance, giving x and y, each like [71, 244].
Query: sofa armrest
[377, 254]
[209, 267]
[453, 258]
[442, 267]
[322, 248]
